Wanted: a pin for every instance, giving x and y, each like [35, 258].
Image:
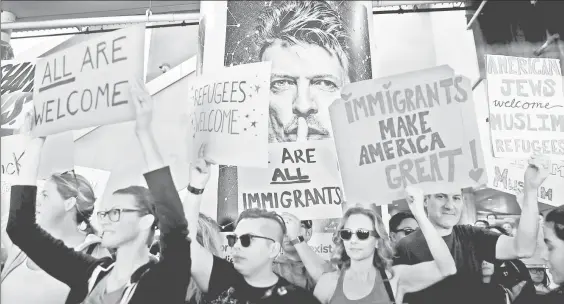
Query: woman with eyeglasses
[64, 207]
[128, 220]
[553, 230]
[540, 278]
[363, 255]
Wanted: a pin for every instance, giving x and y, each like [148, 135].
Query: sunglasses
[245, 239]
[406, 231]
[361, 234]
[115, 214]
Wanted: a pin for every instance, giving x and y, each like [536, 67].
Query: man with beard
[470, 245]
[307, 45]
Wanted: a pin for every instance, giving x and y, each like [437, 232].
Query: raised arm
[203, 259]
[59, 261]
[524, 243]
[314, 264]
[175, 246]
[412, 278]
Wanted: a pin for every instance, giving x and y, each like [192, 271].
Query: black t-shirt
[469, 246]
[227, 286]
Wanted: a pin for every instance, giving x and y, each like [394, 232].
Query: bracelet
[195, 191]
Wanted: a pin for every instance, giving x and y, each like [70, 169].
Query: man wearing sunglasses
[470, 245]
[401, 225]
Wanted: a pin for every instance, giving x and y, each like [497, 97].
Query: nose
[449, 204]
[304, 104]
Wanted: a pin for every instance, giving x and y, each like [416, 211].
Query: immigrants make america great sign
[405, 130]
[88, 84]
[526, 104]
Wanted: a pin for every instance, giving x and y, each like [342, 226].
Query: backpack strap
[387, 284]
[91, 248]
[17, 261]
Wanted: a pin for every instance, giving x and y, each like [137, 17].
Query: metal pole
[77, 22]
[480, 8]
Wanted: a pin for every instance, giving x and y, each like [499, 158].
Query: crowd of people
[427, 257]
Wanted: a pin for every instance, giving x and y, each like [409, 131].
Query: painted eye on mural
[281, 84]
[325, 84]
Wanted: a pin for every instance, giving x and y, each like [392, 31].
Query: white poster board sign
[302, 179]
[405, 130]
[87, 84]
[57, 156]
[507, 175]
[230, 115]
[526, 105]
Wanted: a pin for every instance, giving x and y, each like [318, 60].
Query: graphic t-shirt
[469, 246]
[227, 286]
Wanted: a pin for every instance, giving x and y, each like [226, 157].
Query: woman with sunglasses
[363, 255]
[64, 207]
[128, 221]
[553, 230]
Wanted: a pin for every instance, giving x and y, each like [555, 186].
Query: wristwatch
[195, 191]
[297, 240]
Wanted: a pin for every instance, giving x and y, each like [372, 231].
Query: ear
[70, 203]
[147, 221]
[275, 250]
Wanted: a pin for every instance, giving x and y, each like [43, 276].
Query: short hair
[484, 222]
[307, 224]
[556, 216]
[491, 214]
[257, 213]
[396, 220]
[145, 202]
[500, 229]
[312, 22]
[69, 184]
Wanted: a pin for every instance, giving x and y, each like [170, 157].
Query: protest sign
[526, 104]
[507, 175]
[56, 156]
[230, 115]
[302, 179]
[87, 84]
[17, 92]
[405, 130]
[321, 243]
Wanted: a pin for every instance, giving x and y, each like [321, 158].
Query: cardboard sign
[405, 130]
[87, 84]
[230, 115]
[17, 92]
[526, 105]
[302, 179]
[507, 175]
[56, 156]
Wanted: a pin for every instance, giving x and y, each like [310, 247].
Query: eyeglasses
[361, 234]
[406, 231]
[115, 214]
[245, 239]
[74, 176]
[536, 270]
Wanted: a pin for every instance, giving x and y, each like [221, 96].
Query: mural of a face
[305, 80]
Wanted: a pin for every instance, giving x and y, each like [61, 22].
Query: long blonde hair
[209, 237]
[384, 252]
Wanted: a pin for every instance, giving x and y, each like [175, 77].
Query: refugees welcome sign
[405, 130]
[87, 85]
